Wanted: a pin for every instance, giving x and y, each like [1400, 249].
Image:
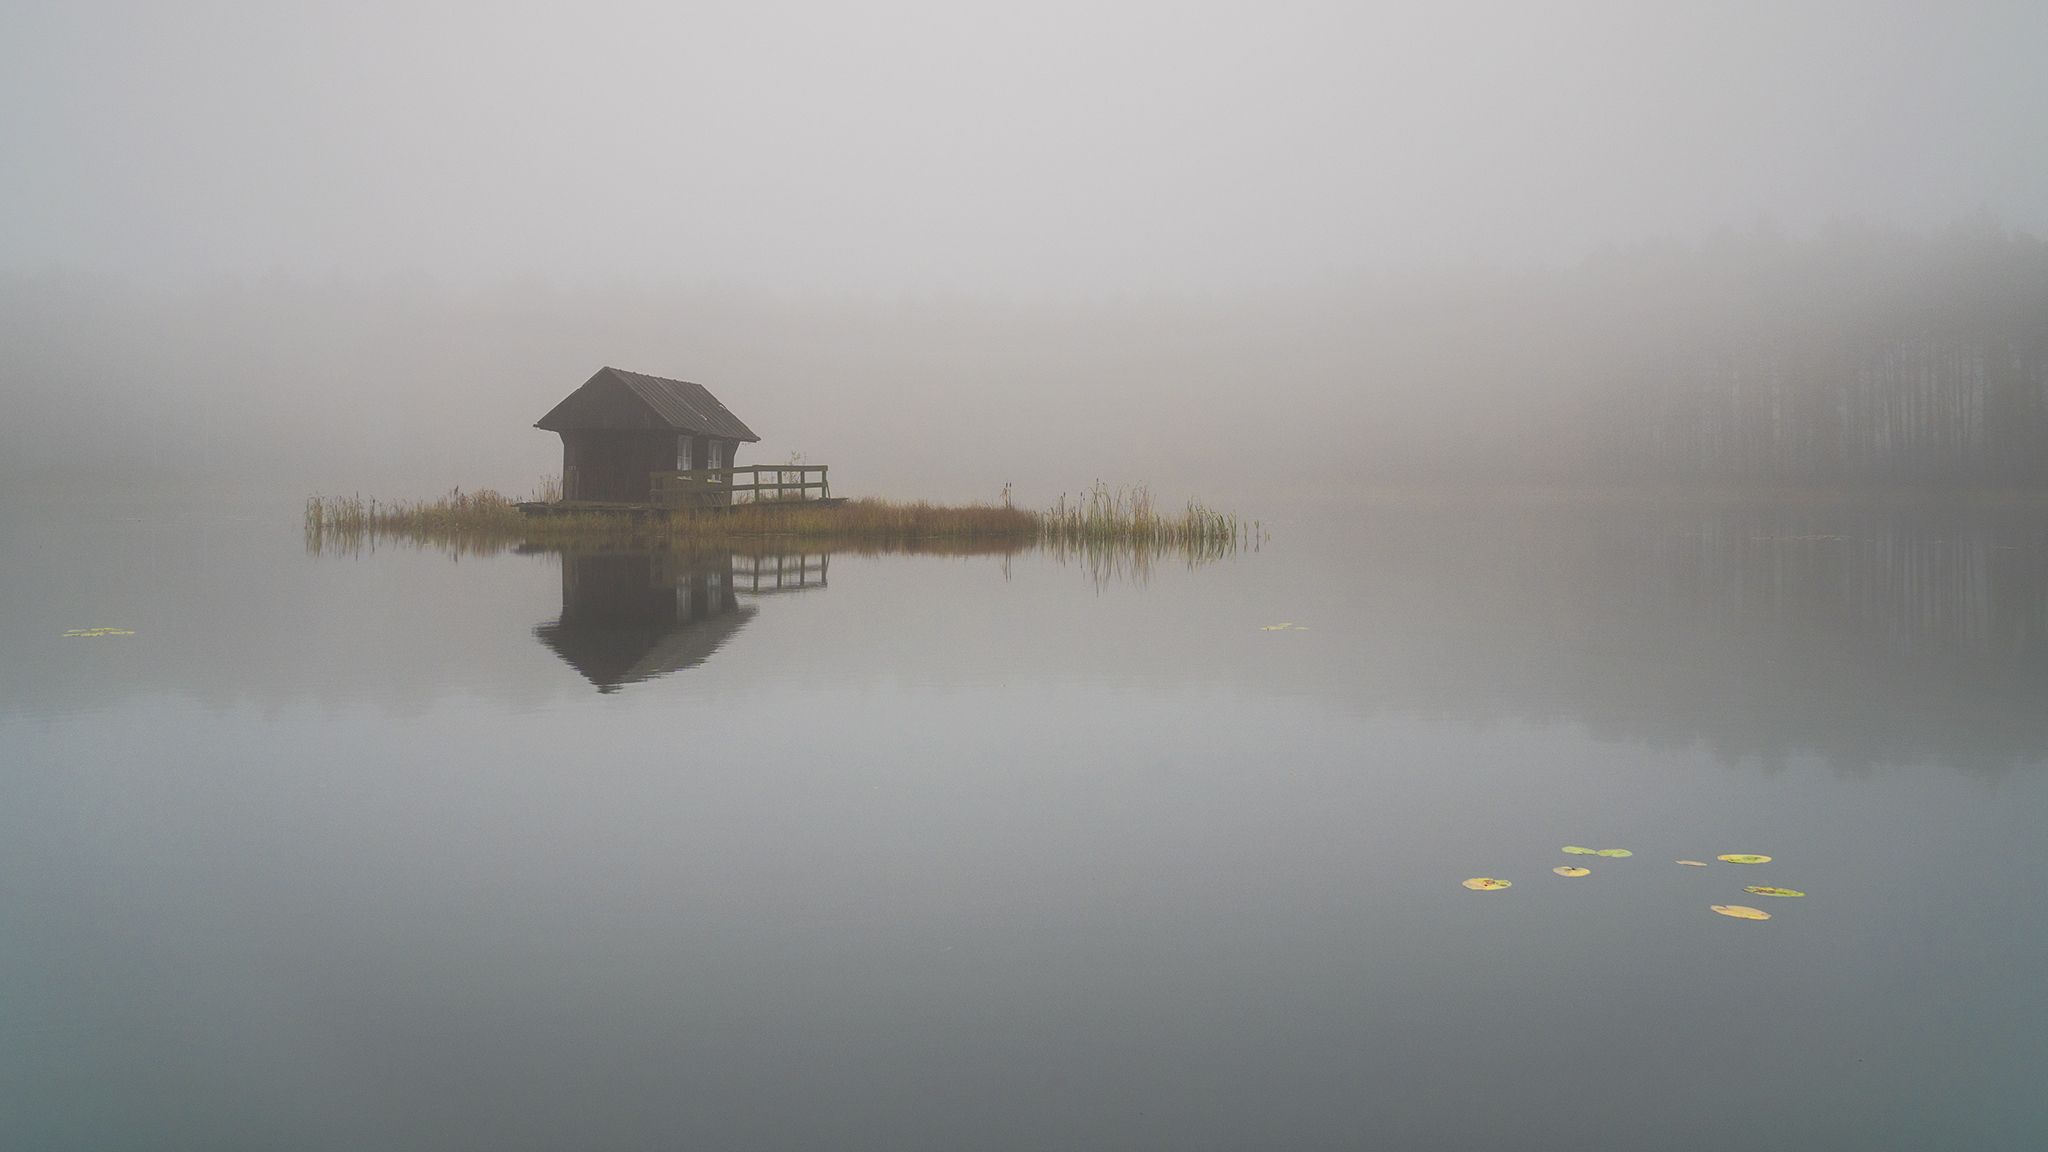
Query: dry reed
[483, 519]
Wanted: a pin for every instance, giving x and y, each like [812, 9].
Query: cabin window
[683, 463]
[716, 455]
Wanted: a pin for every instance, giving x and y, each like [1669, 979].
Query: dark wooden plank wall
[604, 465]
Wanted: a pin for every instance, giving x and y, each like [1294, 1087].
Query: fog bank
[1851, 356]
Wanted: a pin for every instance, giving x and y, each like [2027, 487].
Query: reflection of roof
[617, 399]
[609, 655]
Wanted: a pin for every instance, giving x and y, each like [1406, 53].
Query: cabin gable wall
[603, 403]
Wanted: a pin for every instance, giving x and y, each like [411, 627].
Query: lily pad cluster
[1744, 911]
[1494, 884]
[1736, 911]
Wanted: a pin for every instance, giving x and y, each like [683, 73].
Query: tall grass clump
[1131, 516]
[458, 511]
[474, 518]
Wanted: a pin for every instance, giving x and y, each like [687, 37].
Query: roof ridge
[683, 404]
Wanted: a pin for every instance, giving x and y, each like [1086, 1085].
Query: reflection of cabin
[620, 428]
[627, 618]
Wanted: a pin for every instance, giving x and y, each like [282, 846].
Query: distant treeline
[1851, 357]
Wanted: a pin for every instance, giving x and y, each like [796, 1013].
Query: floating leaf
[1764, 890]
[1575, 850]
[1740, 912]
[1568, 870]
[1487, 884]
[1614, 853]
[1691, 863]
[1744, 858]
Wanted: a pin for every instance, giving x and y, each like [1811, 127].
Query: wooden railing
[716, 487]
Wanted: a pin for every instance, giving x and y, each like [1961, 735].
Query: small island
[654, 459]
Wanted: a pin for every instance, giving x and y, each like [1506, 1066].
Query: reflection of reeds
[1110, 560]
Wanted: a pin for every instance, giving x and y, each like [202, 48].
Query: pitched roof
[617, 399]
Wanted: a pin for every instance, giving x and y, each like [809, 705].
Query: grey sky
[1036, 148]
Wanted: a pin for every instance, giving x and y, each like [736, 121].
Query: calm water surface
[401, 850]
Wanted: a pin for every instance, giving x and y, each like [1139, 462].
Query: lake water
[399, 849]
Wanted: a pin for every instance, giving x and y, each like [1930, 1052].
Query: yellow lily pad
[1487, 884]
[1614, 853]
[1691, 863]
[1575, 850]
[1568, 870]
[1766, 890]
[1740, 912]
[1744, 858]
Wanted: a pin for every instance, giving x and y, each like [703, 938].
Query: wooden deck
[766, 483]
[664, 511]
[772, 488]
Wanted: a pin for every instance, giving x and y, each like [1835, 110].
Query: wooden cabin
[621, 429]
